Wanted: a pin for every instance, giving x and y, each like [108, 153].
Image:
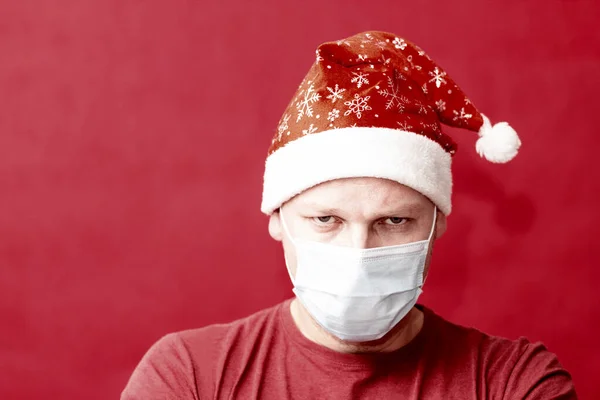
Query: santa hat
[372, 105]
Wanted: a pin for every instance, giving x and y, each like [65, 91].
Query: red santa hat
[372, 105]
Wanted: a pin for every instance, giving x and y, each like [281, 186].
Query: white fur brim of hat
[405, 157]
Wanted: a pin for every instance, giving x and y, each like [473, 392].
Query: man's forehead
[365, 187]
[353, 205]
[371, 195]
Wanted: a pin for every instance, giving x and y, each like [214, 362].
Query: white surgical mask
[358, 294]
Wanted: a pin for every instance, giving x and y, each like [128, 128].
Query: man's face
[356, 212]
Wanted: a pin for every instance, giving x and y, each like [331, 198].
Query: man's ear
[275, 226]
[440, 225]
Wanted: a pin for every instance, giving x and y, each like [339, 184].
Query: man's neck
[405, 331]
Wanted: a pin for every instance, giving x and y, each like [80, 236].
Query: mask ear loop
[287, 233]
[435, 209]
[285, 227]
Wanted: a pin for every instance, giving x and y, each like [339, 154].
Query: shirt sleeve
[165, 372]
[537, 375]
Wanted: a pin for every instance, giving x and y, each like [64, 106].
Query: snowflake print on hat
[319, 57]
[419, 96]
[462, 116]
[405, 126]
[309, 130]
[422, 108]
[438, 77]
[359, 79]
[333, 115]
[441, 105]
[283, 126]
[358, 105]
[381, 44]
[392, 95]
[384, 101]
[335, 93]
[384, 60]
[304, 106]
[400, 43]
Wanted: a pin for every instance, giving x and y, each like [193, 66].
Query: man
[357, 185]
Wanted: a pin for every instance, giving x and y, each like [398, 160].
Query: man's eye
[396, 221]
[328, 219]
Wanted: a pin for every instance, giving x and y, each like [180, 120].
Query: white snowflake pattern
[358, 105]
[399, 43]
[283, 126]
[424, 87]
[384, 60]
[392, 95]
[422, 107]
[361, 57]
[341, 42]
[467, 101]
[421, 52]
[438, 77]
[304, 83]
[429, 126]
[405, 101]
[311, 129]
[381, 44]
[399, 75]
[319, 56]
[404, 126]
[462, 116]
[441, 105]
[333, 115]
[336, 93]
[304, 106]
[359, 79]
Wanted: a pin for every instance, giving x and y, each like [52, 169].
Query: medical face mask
[358, 294]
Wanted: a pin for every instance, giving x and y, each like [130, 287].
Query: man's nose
[361, 237]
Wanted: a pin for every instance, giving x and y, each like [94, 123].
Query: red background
[132, 142]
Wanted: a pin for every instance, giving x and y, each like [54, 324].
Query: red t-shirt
[265, 357]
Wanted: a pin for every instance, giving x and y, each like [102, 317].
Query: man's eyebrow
[322, 208]
[409, 208]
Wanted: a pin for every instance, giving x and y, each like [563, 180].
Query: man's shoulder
[515, 366]
[185, 362]
[452, 332]
[252, 327]
[491, 347]
[190, 344]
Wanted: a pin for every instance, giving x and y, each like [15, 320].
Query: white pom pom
[499, 143]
